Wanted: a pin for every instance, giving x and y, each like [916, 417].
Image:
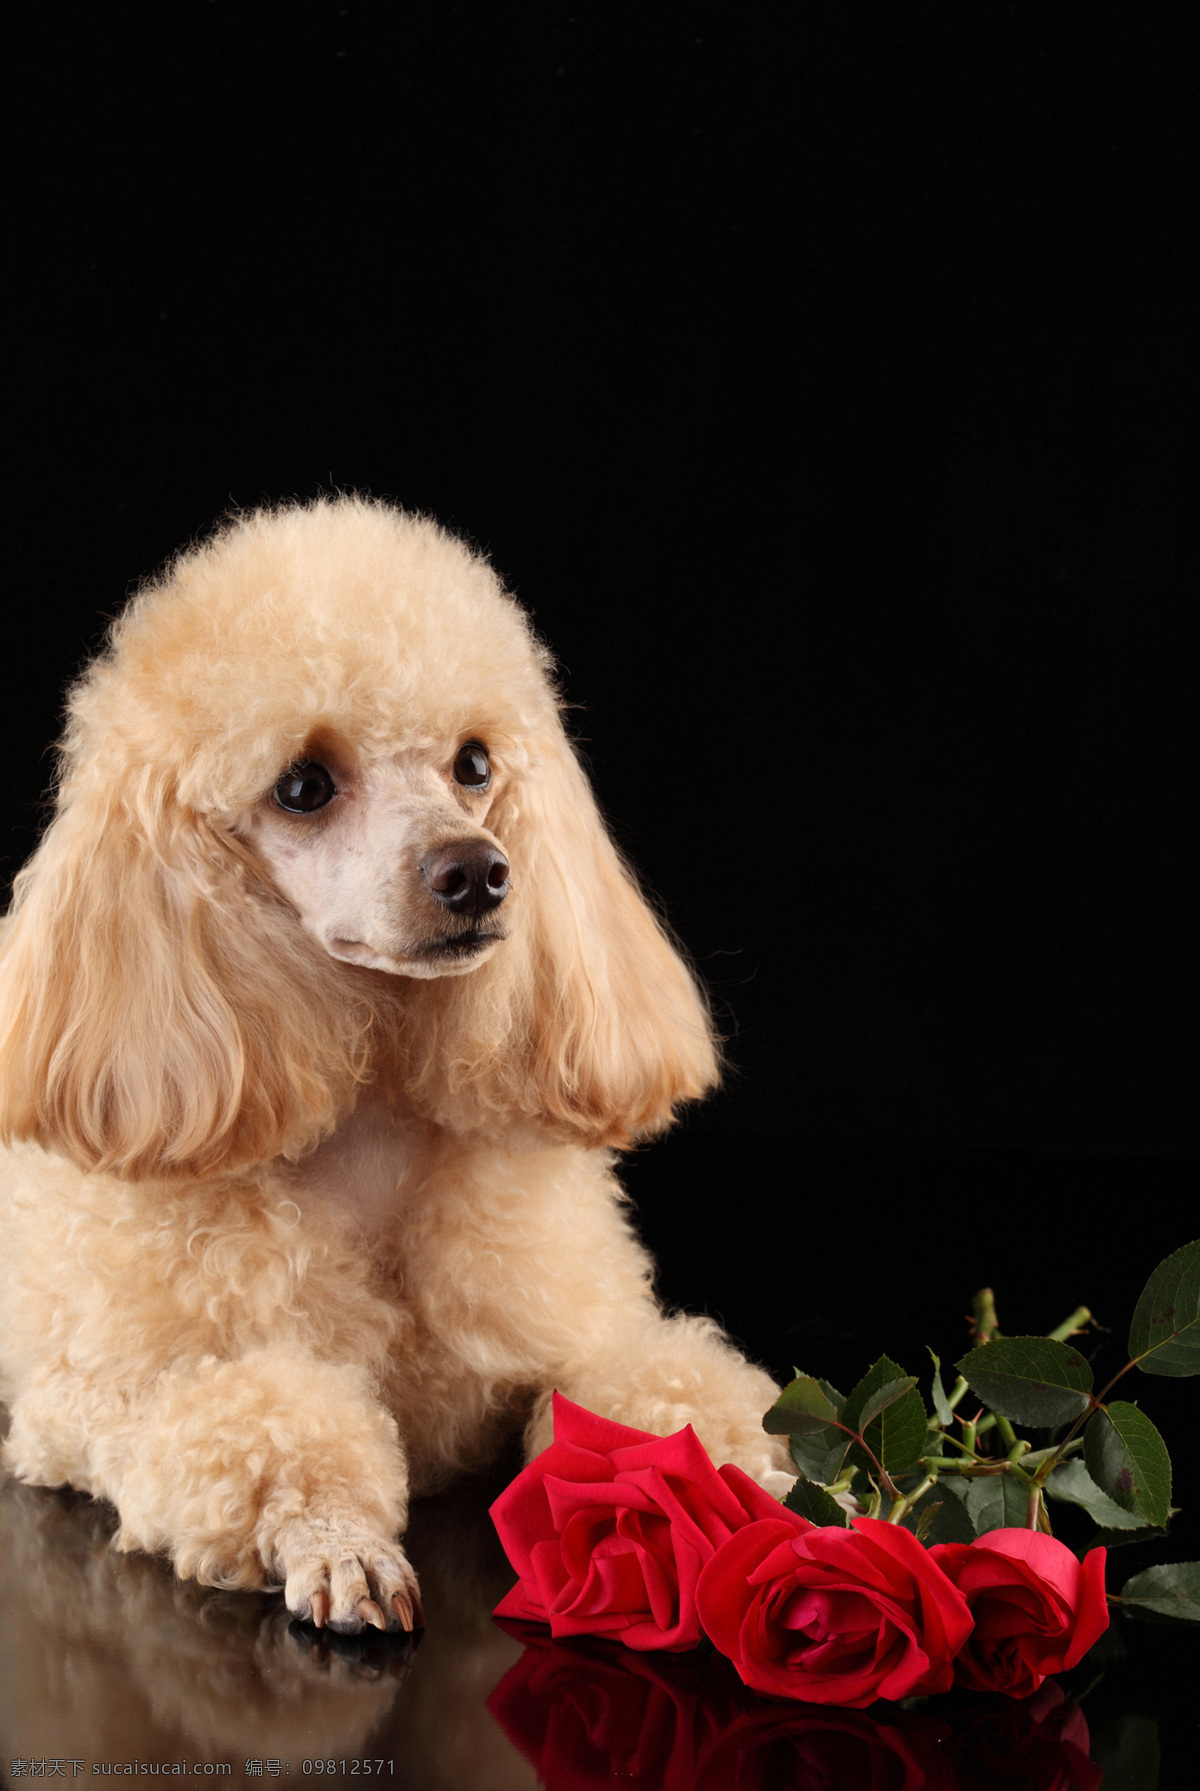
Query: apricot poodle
[325, 1003]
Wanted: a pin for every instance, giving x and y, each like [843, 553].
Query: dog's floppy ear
[619, 1032]
[158, 1013]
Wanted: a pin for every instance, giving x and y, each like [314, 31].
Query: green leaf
[997, 1502]
[834, 1462]
[814, 1459]
[807, 1454]
[1128, 1459]
[1107, 1538]
[1034, 1380]
[1164, 1337]
[802, 1406]
[878, 1375]
[886, 1396]
[814, 1503]
[1172, 1589]
[941, 1404]
[1075, 1486]
[894, 1423]
[936, 1518]
[812, 1450]
[895, 1434]
[814, 1462]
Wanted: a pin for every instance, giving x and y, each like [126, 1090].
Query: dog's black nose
[467, 876]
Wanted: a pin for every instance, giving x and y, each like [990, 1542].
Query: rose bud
[1037, 1609]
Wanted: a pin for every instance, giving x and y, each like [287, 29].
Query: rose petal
[756, 1502]
[1053, 1564]
[1092, 1619]
[575, 1424]
[522, 1513]
[724, 1595]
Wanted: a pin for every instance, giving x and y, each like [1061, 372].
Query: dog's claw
[341, 1577]
[403, 1610]
[418, 1609]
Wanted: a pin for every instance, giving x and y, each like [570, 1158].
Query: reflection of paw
[339, 1574]
[367, 1656]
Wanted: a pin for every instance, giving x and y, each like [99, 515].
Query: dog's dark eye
[303, 788]
[472, 767]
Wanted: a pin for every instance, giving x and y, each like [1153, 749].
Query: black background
[819, 378]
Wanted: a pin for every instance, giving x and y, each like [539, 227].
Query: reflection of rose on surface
[774, 1747]
[1039, 1744]
[586, 1713]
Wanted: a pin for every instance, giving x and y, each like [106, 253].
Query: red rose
[1037, 1609]
[833, 1616]
[609, 1528]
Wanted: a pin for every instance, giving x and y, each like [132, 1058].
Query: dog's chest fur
[369, 1164]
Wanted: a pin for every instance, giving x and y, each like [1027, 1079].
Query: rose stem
[1070, 1326]
[984, 1323]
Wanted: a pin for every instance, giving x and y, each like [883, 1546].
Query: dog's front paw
[341, 1575]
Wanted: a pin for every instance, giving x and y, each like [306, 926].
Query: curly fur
[298, 1221]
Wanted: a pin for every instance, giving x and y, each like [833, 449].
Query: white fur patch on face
[354, 868]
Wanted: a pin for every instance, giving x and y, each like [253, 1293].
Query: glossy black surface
[106, 1660]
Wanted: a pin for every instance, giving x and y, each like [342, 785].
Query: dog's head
[318, 819]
